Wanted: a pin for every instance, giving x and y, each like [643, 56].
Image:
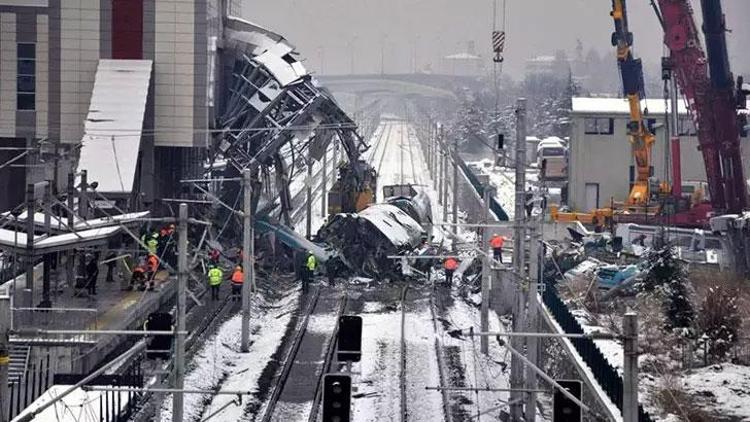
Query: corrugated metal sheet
[114, 125]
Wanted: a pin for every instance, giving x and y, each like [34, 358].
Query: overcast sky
[329, 33]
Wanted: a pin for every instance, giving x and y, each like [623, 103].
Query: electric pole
[308, 191]
[4, 358]
[630, 368]
[516, 366]
[71, 254]
[182, 275]
[248, 258]
[30, 202]
[454, 210]
[445, 180]
[532, 343]
[489, 193]
[324, 174]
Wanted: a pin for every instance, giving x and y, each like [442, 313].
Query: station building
[601, 164]
[136, 75]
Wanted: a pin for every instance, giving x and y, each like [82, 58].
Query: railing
[35, 381]
[606, 376]
[479, 188]
[29, 319]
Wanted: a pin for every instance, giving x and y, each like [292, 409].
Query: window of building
[26, 77]
[599, 126]
[687, 127]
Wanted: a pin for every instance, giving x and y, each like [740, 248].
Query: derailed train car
[365, 240]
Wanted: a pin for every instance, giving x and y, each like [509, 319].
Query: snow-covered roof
[462, 56]
[552, 141]
[582, 105]
[61, 224]
[113, 127]
[56, 223]
[12, 240]
[586, 105]
[269, 48]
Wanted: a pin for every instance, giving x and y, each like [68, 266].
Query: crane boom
[711, 100]
[631, 71]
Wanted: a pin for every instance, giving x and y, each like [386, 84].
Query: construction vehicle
[641, 138]
[639, 204]
[713, 100]
[354, 188]
[600, 218]
[711, 95]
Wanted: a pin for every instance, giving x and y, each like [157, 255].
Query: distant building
[600, 156]
[467, 63]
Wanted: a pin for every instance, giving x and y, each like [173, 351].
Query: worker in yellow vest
[311, 263]
[215, 277]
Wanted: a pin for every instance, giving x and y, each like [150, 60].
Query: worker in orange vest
[450, 265]
[238, 278]
[138, 278]
[153, 266]
[497, 243]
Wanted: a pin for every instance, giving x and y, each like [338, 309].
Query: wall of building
[79, 56]
[606, 160]
[7, 74]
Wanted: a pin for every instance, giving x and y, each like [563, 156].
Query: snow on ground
[504, 180]
[611, 349]
[422, 366]
[218, 364]
[480, 371]
[726, 387]
[378, 392]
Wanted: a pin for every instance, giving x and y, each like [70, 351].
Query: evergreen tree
[667, 278]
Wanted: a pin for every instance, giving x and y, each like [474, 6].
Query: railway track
[442, 368]
[410, 297]
[382, 155]
[309, 357]
[402, 372]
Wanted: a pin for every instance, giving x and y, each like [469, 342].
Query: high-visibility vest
[497, 242]
[311, 263]
[214, 276]
[153, 263]
[151, 245]
[450, 264]
[238, 277]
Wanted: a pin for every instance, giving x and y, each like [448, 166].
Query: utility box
[564, 409]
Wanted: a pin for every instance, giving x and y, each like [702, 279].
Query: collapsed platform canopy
[114, 125]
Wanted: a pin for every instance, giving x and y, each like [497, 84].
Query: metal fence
[606, 376]
[35, 381]
[479, 187]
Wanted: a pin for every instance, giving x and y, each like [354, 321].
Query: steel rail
[402, 374]
[289, 360]
[330, 352]
[440, 358]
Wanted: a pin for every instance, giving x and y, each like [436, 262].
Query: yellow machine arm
[631, 71]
